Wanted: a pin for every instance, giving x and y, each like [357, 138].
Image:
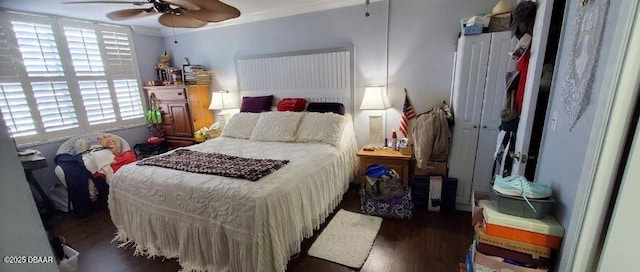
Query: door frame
[606, 144]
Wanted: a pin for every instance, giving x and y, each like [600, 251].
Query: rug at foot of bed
[347, 239]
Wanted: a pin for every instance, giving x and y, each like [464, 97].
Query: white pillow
[277, 127]
[321, 127]
[241, 125]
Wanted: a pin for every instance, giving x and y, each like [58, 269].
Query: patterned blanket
[216, 164]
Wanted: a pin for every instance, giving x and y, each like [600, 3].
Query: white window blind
[85, 51]
[8, 64]
[129, 101]
[97, 102]
[55, 105]
[119, 58]
[15, 110]
[39, 50]
[61, 77]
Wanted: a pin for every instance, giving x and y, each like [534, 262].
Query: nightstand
[390, 158]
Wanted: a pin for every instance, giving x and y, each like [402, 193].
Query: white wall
[422, 41]
[21, 230]
[148, 49]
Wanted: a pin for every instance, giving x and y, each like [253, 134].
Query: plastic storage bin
[69, 264]
[514, 205]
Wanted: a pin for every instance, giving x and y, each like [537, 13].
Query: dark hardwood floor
[427, 242]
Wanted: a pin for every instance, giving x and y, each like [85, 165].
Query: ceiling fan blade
[183, 4]
[212, 11]
[124, 14]
[137, 3]
[172, 20]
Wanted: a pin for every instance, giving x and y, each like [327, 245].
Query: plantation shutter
[15, 110]
[61, 77]
[55, 105]
[121, 66]
[13, 102]
[97, 102]
[38, 47]
[85, 51]
[42, 62]
[119, 57]
[128, 96]
[8, 65]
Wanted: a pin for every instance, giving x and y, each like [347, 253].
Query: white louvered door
[494, 98]
[478, 97]
[469, 86]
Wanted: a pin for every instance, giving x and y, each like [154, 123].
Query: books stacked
[511, 242]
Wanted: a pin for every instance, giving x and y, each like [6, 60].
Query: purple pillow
[326, 107]
[256, 103]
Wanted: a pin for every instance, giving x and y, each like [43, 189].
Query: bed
[218, 223]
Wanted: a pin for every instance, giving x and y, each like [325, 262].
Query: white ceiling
[252, 10]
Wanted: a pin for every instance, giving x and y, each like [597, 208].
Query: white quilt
[216, 223]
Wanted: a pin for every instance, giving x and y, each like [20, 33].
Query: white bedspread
[216, 223]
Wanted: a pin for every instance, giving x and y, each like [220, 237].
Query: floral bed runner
[216, 164]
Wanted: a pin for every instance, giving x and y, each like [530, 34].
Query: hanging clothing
[77, 177]
[503, 164]
[431, 135]
[522, 67]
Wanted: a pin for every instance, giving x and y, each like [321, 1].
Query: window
[60, 77]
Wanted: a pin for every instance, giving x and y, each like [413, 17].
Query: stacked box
[510, 242]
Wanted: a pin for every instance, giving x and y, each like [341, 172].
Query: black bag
[145, 150]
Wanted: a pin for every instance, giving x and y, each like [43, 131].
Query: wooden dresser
[185, 109]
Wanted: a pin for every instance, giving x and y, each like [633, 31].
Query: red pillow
[292, 104]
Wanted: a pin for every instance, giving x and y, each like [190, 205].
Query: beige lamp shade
[375, 98]
[221, 100]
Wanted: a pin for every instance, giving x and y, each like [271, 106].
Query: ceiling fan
[174, 13]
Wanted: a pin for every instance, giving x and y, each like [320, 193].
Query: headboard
[324, 75]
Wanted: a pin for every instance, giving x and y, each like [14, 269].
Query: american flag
[407, 114]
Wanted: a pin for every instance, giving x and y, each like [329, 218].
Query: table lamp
[375, 100]
[222, 101]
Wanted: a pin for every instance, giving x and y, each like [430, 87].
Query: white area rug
[347, 239]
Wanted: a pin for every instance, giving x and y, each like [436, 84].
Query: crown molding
[269, 14]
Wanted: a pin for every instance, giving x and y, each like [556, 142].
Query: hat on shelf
[502, 9]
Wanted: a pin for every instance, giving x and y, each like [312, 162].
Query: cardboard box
[478, 20]
[476, 210]
[433, 169]
[535, 250]
[70, 264]
[485, 262]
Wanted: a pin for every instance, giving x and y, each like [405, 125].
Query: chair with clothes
[83, 162]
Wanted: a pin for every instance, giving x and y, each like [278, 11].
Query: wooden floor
[427, 242]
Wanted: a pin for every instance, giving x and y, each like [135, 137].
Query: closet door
[468, 90]
[494, 98]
